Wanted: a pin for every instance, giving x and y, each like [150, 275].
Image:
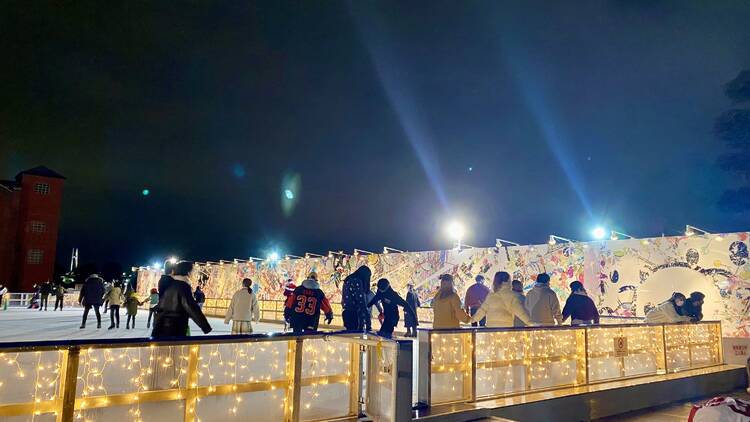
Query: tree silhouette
[733, 127]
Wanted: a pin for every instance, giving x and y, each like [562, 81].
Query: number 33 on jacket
[303, 306]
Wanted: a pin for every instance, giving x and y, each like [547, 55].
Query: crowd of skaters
[173, 303]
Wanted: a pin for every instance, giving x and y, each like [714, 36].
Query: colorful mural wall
[624, 277]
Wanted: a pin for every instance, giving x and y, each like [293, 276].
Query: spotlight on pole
[599, 233]
[553, 239]
[692, 230]
[273, 256]
[615, 235]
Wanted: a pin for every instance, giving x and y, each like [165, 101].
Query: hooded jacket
[447, 312]
[114, 296]
[243, 307]
[92, 291]
[501, 307]
[354, 292]
[303, 306]
[543, 305]
[665, 313]
[176, 307]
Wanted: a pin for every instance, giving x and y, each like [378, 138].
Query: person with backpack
[243, 309]
[302, 308]
[59, 296]
[353, 298]
[91, 296]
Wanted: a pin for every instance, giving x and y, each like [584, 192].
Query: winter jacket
[176, 307]
[543, 305]
[501, 307]
[303, 306]
[59, 292]
[447, 312]
[45, 289]
[243, 307]
[475, 295]
[581, 309]
[114, 297]
[665, 313]
[163, 283]
[200, 297]
[153, 300]
[413, 300]
[92, 292]
[353, 298]
[131, 303]
[391, 301]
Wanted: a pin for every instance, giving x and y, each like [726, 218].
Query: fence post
[68, 384]
[294, 390]
[425, 365]
[404, 381]
[191, 395]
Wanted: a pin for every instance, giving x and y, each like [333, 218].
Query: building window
[35, 256]
[38, 227]
[42, 188]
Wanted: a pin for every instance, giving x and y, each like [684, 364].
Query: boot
[111, 327]
[82, 326]
[98, 325]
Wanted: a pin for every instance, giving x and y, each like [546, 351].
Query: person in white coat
[243, 309]
[669, 311]
[503, 305]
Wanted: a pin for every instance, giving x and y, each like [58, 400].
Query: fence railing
[256, 377]
[461, 365]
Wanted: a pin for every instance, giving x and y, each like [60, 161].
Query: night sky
[381, 119]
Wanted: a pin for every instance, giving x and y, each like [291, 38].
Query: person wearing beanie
[303, 306]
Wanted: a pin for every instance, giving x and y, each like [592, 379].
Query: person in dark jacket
[303, 306]
[579, 307]
[200, 297]
[44, 292]
[694, 306]
[91, 296]
[353, 299]
[59, 296]
[390, 301]
[165, 278]
[177, 306]
[413, 300]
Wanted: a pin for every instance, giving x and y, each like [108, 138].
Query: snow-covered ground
[20, 324]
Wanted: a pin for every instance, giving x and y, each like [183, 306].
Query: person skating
[200, 297]
[131, 307]
[107, 288]
[243, 309]
[669, 311]
[579, 306]
[475, 297]
[353, 299]
[91, 296]
[115, 298]
[542, 303]
[177, 305]
[153, 302]
[503, 305]
[446, 305]
[390, 301]
[413, 300]
[59, 292]
[44, 291]
[303, 306]
[369, 294]
[3, 292]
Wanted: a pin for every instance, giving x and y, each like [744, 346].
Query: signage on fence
[621, 346]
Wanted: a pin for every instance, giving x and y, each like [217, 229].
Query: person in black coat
[390, 301]
[177, 306]
[413, 300]
[200, 297]
[694, 306]
[44, 292]
[91, 296]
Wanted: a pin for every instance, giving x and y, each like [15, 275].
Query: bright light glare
[455, 230]
[172, 260]
[273, 256]
[156, 265]
[599, 233]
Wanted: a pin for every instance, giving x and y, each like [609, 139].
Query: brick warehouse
[29, 222]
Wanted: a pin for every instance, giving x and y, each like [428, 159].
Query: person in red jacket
[303, 306]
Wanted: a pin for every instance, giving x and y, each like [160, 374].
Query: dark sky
[568, 113]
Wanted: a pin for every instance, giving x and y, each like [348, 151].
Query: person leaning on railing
[579, 306]
[503, 305]
[669, 311]
[446, 305]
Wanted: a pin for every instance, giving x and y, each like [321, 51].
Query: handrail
[557, 327]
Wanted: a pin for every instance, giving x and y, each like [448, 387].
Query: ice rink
[20, 324]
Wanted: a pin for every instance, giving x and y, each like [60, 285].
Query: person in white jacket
[503, 305]
[243, 309]
[669, 311]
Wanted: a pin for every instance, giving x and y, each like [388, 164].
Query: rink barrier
[470, 364]
[332, 376]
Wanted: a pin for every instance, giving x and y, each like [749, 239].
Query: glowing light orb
[288, 194]
[145, 192]
[599, 233]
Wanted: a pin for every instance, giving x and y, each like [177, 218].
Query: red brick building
[29, 221]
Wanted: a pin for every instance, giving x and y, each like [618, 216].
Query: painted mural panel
[624, 277]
